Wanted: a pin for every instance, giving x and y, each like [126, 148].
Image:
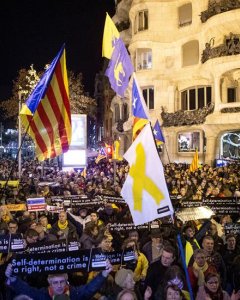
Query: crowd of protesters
[211, 256]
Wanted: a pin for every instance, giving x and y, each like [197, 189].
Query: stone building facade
[186, 58]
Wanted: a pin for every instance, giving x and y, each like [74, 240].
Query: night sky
[32, 32]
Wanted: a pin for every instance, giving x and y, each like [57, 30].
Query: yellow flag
[110, 35]
[194, 165]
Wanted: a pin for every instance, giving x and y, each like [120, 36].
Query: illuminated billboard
[77, 153]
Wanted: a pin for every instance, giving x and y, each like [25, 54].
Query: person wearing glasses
[212, 289]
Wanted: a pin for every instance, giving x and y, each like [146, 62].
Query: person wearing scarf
[58, 286]
[212, 290]
[63, 228]
[199, 270]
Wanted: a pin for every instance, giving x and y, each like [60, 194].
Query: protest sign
[11, 243]
[54, 246]
[232, 228]
[68, 262]
[194, 213]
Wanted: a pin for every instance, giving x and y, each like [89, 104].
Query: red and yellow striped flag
[46, 114]
[194, 165]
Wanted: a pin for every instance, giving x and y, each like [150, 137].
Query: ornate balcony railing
[217, 7]
[183, 118]
[231, 46]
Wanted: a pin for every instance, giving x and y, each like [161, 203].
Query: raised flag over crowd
[139, 108]
[145, 189]
[101, 155]
[120, 67]
[158, 135]
[195, 162]
[46, 114]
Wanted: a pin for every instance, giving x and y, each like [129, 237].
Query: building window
[190, 53]
[185, 14]
[231, 95]
[117, 112]
[141, 21]
[125, 112]
[144, 59]
[148, 95]
[196, 97]
[188, 141]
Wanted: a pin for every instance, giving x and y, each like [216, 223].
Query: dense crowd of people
[211, 261]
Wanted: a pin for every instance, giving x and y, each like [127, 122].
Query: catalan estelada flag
[139, 108]
[195, 162]
[158, 135]
[101, 155]
[46, 114]
[110, 37]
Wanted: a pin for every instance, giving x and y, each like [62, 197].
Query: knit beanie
[121, 276]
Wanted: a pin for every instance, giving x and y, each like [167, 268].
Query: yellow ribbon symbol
[141, 181]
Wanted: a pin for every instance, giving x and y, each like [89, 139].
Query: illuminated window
[141, 21]
[144, 59]
[196, 97]
[188, 141]
[148, 95]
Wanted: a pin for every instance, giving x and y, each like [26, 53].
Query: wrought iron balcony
[217, 7]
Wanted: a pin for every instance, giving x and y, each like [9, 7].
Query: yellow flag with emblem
[145, 189]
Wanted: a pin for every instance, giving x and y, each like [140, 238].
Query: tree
[26, 81]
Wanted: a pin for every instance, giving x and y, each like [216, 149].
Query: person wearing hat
[59, 287]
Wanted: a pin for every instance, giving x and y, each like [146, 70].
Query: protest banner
[54, 246]
[68, 262]
[16, 207]
[11, 243]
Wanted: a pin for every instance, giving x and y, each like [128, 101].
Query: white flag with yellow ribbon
[145, 189]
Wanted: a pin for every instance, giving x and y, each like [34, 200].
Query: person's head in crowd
[12, 227]
[5, 215]
[91, 229]
[3, 228]
[189, 230]
[43, 220]
[213, 285]
[156, 237]
[94, 217]
[22, 297]
[106, 243]
[208, 244]
[225, 220]
[134, 235]
[26, 215]
[62, 217]
[58, 285]
[31, 236]
[168, 256]
[173, 292]
[83, 212]
[127, 295]
[40, 230]
[199, 257]
[124, 279]
[213, 230]
[231, 241]
[130, 243]
[109, 209]
[33, 224]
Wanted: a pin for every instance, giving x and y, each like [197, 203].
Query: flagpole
[167, 153]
